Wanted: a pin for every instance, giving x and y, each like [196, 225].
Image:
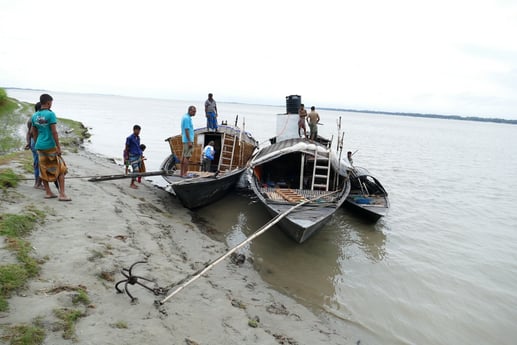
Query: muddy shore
[86, 243]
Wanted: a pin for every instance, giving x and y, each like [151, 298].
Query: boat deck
[369, 201]
[295, 195]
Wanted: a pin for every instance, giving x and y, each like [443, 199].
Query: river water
[441, 268]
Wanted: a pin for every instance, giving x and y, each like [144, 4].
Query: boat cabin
[233, 148]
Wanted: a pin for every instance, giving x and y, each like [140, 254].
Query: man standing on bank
[187, 137]
[133, 153]
[52, 166]
[211, 113]
[313, 119]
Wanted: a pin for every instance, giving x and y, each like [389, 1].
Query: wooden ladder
[320, 173]
[227, 150]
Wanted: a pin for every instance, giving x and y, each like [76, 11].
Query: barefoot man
[187, 137]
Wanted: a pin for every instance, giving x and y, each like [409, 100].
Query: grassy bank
[15, 228]
[14, 116]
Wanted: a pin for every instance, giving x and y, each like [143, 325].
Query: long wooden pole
[259, 232]
[121, 176]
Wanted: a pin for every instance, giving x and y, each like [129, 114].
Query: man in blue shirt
[187, 137]
[133, 153]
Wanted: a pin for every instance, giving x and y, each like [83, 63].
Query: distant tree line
[434, 116]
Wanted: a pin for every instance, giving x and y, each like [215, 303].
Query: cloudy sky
[444, 57]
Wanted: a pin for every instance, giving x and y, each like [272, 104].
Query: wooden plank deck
[294, 195]
[289, 195]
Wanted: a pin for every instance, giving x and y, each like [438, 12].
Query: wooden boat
[294, 171]
[234, 148]
[367, 196]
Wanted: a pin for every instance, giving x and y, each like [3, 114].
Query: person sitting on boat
[349, 156]
[313, 119]
[301, 121]
[208, 156]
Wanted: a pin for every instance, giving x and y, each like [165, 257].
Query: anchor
[132, 279]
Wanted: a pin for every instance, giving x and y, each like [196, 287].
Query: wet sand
[107, 227]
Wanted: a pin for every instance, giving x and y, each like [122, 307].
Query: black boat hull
[203, 191]
[368, 198]
[367, 212]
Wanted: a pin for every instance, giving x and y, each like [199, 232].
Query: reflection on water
[360, 235]
[308, 271]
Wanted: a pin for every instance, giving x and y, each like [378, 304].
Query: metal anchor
[133, 279]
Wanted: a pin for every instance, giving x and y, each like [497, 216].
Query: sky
[454, 57]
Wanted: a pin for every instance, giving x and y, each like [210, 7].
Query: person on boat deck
[313, 119]
[211, 113]
[349, 156]
[133, 153]
[51, 166]
[187, 137]
[208, 156]
[302, 113]
[142, 163]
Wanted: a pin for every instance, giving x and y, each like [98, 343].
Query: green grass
[14, 276]
[23, 249]
[12, 115]
[17, 225]
[69, 318]
[26, 335]
[81, 298]
[76, 127]
[8, 178]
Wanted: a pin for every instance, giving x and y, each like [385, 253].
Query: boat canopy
[360, 171]
[298, 145]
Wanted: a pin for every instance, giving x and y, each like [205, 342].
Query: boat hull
[300, 228]
[368, 212]
[368, 198]
[197, 192]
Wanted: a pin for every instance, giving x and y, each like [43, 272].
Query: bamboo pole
[131, 175]
[259, 232]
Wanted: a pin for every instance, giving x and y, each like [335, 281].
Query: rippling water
[441, 268]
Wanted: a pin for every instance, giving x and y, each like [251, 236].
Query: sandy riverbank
[108, 226]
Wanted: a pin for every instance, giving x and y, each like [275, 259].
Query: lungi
[51, 165]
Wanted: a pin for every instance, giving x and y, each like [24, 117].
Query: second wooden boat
[234, 148]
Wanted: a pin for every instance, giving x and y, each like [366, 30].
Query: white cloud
[433, 57]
